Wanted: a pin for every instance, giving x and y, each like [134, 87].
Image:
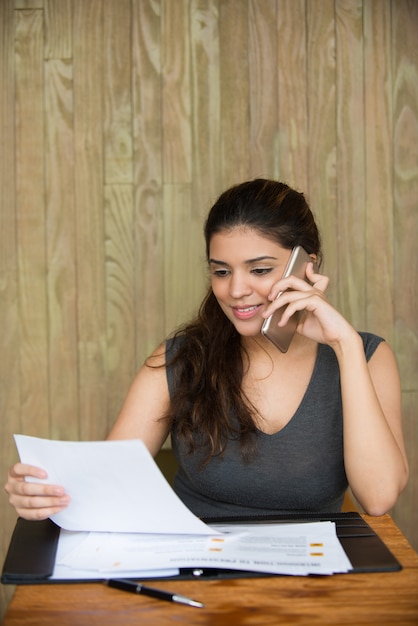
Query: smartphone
[282, 336]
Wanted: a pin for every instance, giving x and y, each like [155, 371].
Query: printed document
[275, 548]
[124, 520]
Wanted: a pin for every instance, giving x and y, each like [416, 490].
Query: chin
[253, 331]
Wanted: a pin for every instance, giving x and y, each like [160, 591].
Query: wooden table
[355, 599]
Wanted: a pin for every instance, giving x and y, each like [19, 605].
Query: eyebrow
[248, 261]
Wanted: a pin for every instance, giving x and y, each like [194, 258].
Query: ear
[314, 258]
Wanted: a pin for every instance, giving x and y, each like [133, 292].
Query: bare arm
[146, 403]
[374, 451]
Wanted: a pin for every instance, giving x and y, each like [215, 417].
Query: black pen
[133, 587]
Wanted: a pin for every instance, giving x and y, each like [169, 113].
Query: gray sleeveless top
[298, 469]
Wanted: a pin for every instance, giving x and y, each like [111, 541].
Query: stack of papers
[124, 520]
[295, 549]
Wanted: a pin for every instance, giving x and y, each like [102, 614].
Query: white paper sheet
[114, 486]
[292, 549]
[70, 541]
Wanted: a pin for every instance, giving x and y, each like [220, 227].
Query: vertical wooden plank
[378, 167]
[235, 91]
[177, 163]
[351, 281]
[61, 275]
[146, 95]
[117, 91]
[88, 48]
[31, 228]
[206, 103]
[322, 136]
[9, 314]
[58, 29]
[120, 345]
[176, 99]
[405, 138]
[180, 301]
[405, 141]
[405, 511]
[206, 119]
[292, 94]
[263, 89]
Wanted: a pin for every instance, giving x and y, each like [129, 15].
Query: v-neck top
[297, 469]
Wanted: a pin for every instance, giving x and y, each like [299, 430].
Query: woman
[256, 430]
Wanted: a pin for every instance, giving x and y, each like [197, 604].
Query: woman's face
[244, 265]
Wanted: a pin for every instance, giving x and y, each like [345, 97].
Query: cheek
[219, 289]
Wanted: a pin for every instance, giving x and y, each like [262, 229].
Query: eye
[220, 273]
[261, 271]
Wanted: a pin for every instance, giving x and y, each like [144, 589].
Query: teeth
[249, 308]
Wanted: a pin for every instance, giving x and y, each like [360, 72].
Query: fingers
[293, 283]
[34, 500]
[295, 294]
[38, 508]
[297, 303]
[319, 281]
[20, 470]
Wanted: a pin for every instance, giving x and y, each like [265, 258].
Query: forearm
[374, 455]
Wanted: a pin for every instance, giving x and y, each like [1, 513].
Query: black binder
[31, 555]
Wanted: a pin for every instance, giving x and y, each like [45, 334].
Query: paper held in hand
[124, 520]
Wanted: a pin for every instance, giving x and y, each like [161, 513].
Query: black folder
[33, 546]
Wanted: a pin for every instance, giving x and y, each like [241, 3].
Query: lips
[247, 312]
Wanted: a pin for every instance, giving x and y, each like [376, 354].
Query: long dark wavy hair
[208, 405]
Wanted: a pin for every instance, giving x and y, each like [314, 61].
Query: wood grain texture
[31, 224]
[292, 93]
[89, 199]
[61, 246]
[405, 215]
[148, 175]
[263, 96]
[120, 313]
[206, 103]
[235, 90]
[322, 131]
[350, 162]
[405, 167]
[378, 168]
[9, 310]
[117, 92]
[176, 96]
[121, 123]
[58, 29]
[405, 509]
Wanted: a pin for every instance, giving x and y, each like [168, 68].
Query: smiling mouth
[246, 312]
[246, 309]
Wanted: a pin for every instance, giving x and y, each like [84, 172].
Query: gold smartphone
[282, 336]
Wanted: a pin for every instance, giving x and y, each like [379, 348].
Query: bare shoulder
[383, 362]
[147, 401]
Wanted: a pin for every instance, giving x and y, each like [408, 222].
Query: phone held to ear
[282, 336]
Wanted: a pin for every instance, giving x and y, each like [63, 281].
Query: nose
[239, 285]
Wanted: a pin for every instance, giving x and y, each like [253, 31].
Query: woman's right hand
[33, 500]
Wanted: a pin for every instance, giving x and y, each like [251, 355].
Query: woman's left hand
[319, 320]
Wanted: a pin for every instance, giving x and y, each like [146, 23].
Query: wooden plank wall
[121, 122]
